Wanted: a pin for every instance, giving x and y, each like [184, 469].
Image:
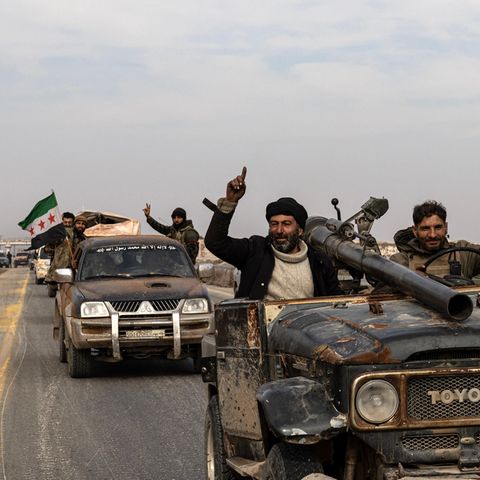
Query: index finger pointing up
[244, 172]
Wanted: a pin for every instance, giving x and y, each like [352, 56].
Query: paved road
[138, 420]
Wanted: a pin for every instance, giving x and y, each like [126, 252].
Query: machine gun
[336, 238]
[374, 208]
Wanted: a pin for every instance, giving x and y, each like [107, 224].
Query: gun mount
[336, 238]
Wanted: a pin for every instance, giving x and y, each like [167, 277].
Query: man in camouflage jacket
[63, 252]
[428, 236]
[181, 230]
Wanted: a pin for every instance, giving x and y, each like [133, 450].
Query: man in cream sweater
[278, 266]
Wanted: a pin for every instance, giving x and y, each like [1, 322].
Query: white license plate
[145, 333]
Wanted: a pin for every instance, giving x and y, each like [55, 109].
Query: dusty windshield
[130, 261]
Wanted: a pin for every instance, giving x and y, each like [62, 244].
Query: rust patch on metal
[325, 353]
[382, 356]
[253, 332]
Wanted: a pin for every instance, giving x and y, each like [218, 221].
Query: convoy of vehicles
[364, 386]
[356, 387]
[131, 296]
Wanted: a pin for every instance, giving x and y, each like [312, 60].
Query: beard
[288, 243]
[427, 245]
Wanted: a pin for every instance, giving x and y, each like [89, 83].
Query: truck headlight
[93, 309]
[195, 305]
[377, 401]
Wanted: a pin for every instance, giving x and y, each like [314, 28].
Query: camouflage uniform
[183, 233]
[62, 253]
[412, 255]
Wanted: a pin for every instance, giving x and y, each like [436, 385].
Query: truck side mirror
[63, 275]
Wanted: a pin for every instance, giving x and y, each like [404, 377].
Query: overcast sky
[114, 103]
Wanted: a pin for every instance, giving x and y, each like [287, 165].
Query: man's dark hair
[68, 215]
[427, 209]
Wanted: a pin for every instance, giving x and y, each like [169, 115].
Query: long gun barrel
[320, 233]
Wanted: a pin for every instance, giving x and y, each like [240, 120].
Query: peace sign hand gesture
[146, 210]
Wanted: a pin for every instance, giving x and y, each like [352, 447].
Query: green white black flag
[44, 222]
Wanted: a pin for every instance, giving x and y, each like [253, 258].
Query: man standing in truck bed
[279, 266]
[63, 253]
[181, 230]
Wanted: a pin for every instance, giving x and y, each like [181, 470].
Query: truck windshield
[135, 261]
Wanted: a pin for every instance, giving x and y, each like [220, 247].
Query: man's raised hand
[236, 187]
[146, 210]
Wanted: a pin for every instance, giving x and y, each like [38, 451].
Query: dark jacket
[254, 258]
[183, 233]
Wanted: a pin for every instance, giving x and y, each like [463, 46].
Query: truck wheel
[38, 281]
[51, 289]
[62, 350]
[290, 462]
[80, 362]
[215, 459]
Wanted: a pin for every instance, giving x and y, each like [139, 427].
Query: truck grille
[430, 442]
[421, 407]
[164, 305]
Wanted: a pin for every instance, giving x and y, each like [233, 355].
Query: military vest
[440, 267]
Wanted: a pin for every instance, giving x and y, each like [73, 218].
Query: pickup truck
[130, 296]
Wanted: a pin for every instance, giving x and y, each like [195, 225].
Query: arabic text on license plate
[145, 333]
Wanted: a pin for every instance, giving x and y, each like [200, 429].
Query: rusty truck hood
[354, 334]
[142, 288]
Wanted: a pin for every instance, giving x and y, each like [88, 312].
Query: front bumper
[169, 331]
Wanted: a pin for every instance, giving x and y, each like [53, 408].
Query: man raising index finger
[278, 266]
[236, 187]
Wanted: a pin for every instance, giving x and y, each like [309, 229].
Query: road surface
[135, 420]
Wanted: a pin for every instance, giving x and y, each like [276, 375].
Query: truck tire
[216, 467]
[80, 362]
[62, 349]
[290, 462]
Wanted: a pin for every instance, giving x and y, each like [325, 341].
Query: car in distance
[21, 258]
[4, 261]
[41, 264]
[131, 296]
